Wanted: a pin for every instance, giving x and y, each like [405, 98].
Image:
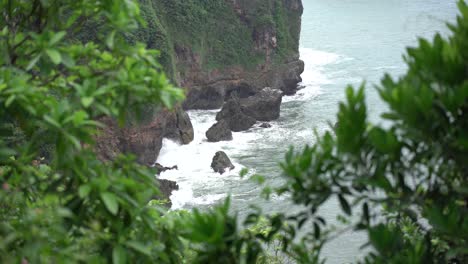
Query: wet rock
[221, 162]
[219, 132]
[265, 125]
[179, 127]
[291, 77]
[234, 117]
[160, 168]
[264, 106]
[143, 139]
[166, 187]
[205, 97]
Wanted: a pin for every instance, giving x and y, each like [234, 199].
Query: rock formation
[219, 132]
[221, 162]
[236, 119]
[263, 106]
[216, 50]
[145, 139]
[241, 114]
[160, 168]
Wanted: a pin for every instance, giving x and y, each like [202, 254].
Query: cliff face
[213, 48]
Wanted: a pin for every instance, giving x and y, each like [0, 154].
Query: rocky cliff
[214, 48]
[211, 48]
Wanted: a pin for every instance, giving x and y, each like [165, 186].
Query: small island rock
[221, 162]
[219, 132]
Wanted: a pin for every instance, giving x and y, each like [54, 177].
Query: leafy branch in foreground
[404, 184]
[54, 89]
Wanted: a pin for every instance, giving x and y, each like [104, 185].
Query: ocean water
[342, 42]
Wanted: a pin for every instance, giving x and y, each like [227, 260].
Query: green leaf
[344, 204]
[110, 201]
[79, 117]
[84, 191]
[140, 247]
[110, 40]
[57, 37]
[54, 55]
[119, 256]
[87, 101]
[7, 152]
[67, 60]
[33, 62]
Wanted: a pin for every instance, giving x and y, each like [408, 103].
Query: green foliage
[404, 184]
[70, 207]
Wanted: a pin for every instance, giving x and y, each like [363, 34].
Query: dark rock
[179, 127]
[166, 187]
[291, 77]
[144, 139]
[265, 125]
[221, 162]
[234, 117]
[219, 132]
[160, 168]
[264, 106]
[205, 97]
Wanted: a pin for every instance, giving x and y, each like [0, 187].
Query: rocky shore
[243, 69]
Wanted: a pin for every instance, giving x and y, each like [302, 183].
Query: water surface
[342, 42]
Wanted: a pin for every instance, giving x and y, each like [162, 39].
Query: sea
[343, 42]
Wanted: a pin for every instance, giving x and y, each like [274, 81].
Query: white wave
[198, 183]
[315, 74]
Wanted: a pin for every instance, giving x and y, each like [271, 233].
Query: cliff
[211, 48]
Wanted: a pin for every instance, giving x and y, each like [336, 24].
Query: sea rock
[265, 125]
[179, 127]
[234, 117]
[219, 132]
[221, 162]
[166, 187]
[264, 106]
[291, 77]
[160, 168]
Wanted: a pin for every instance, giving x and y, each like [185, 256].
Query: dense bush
[405, 183]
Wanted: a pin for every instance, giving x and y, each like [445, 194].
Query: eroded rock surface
[219, 132]
[221, 162]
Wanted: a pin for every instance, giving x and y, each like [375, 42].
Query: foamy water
[198, 183]
[343, 42]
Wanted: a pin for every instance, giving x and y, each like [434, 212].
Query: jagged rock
[291, 77]
[219, 132]
[166, 187]
[179, 127]
[264, 106]
[205, 97]
[144, 139]
[160, 168]
[221, 162]
[234, 117]
[265, 125]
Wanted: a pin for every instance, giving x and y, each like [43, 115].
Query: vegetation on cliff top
[404, 184]
[213, 31]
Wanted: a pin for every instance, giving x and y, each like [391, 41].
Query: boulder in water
[265, 125]
[219, 132]
[234, 117]
[160, 168]
[263, 106]
[221, 162]
[166, 187]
